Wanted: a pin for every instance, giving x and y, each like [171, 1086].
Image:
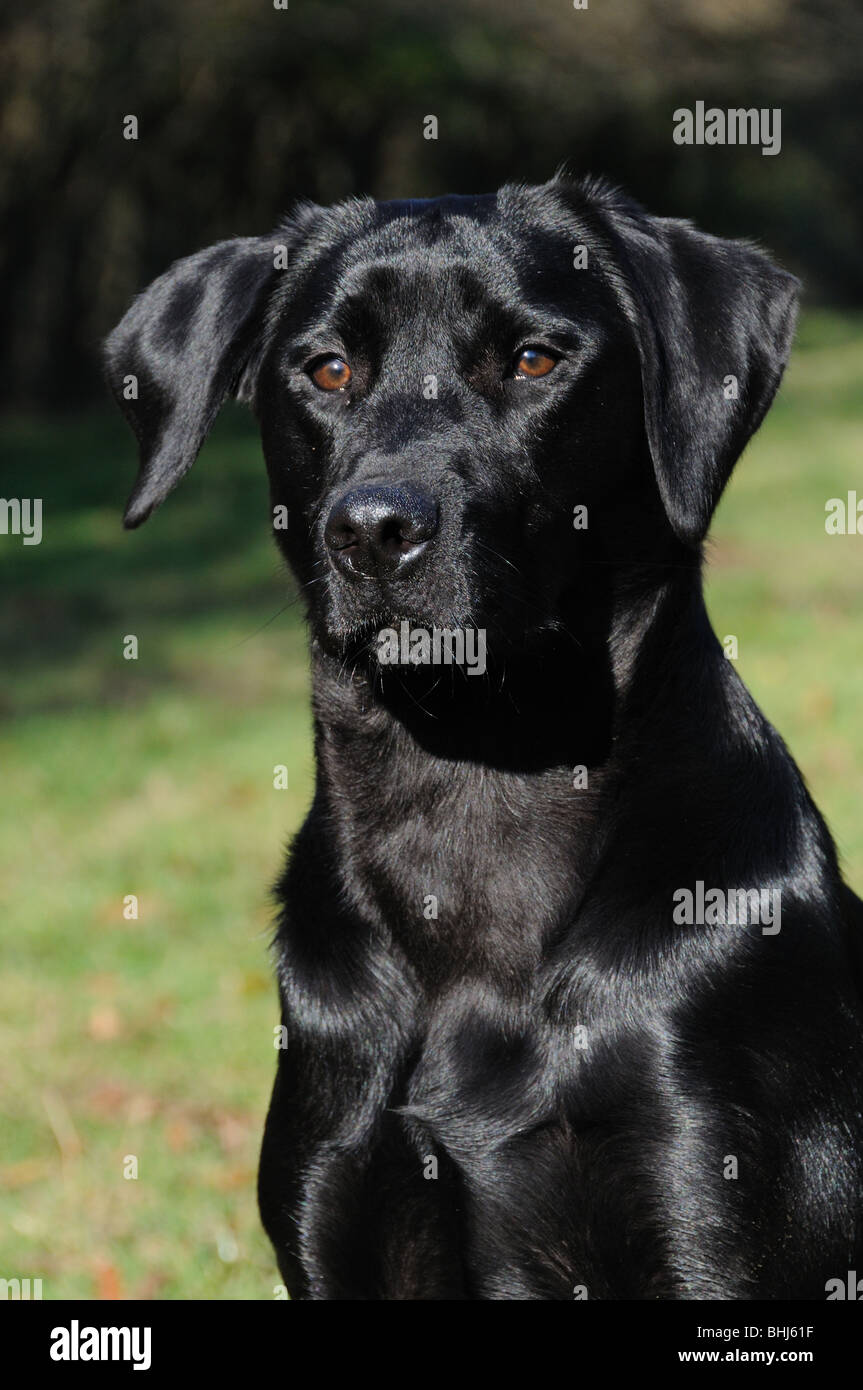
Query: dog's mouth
[446, 625]
[407, 645]
[372, 632]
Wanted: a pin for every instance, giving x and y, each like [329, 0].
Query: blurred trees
[242, 108]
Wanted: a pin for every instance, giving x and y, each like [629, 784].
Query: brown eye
[534, 362]
[332, 374]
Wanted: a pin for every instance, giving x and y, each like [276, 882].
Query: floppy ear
[180, 351]
[713, 323]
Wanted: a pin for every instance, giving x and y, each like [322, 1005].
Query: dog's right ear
[180, 351]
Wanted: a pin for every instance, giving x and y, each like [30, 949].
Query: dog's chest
[549, 1184]
[470, 870]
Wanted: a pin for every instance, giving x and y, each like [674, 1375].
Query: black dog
[571, 981]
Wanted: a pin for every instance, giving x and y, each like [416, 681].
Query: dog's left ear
[713, 322]
[181, 349]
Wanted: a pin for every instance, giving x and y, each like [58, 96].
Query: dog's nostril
[341, 537]
[401, 534]
[375, 530]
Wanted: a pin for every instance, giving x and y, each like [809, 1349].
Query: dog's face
[465, 403]
[441, 390]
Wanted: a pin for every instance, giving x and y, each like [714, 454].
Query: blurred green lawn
[154, 1037]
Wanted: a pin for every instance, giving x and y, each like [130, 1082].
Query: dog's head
[468, 401]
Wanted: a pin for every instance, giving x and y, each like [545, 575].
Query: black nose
[376, 530]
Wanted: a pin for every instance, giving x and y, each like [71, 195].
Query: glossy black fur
[581, 1067]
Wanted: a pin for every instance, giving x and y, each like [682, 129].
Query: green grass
[155, 778]
[788, 591]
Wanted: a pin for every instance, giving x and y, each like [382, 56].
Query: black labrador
[570, 979]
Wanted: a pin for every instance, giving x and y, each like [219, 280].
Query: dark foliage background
[242, 108]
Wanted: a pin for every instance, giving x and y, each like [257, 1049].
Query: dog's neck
[555, 700]
[435, 782]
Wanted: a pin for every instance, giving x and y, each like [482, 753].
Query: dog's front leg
[356, 1200]
[358, 1222]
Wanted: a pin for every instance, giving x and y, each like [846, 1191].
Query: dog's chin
[406, 632]
[383, 632]
[403, 639]
[417, 645]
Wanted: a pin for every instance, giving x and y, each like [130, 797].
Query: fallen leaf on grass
[104, 1024]
[178, 1134]
[109, 1285]
[27, 1171]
